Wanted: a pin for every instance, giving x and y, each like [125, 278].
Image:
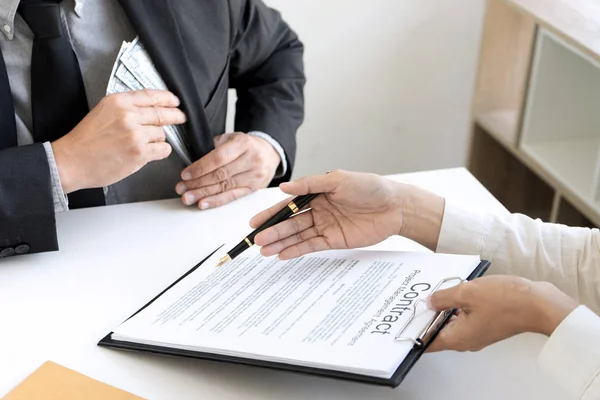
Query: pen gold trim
[293, 207]
[249, 242]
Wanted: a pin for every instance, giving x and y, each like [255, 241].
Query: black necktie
[58, 97]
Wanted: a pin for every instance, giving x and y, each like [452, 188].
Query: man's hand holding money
[117, 138]
[239, 165]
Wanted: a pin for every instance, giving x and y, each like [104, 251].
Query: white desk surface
[57, 306]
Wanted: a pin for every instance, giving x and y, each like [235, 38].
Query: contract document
[345, 312]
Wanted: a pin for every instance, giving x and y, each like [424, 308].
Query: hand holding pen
[293, 207]
[350, 210]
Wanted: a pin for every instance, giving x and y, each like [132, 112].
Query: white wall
[390, 82]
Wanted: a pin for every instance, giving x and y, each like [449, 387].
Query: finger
[151, 97]
[289, 227]
[226, 197]
[217, 158]
[280, 246]
[153, 134]
[160, 116]
[314, 184]
[312, 245]
[157, 151]
[264, 215]
[446, 299]
[192, 196]
[221, 139]
[446, 339]
[224, 175]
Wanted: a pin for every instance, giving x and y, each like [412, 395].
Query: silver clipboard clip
[429, 330]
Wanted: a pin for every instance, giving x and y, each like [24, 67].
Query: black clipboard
[420, 344]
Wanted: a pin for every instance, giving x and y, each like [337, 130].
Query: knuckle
[256, 157]
[159, 116]
[290, 240]
[305, 235]
[135, 137]
[463, 292]
[201, 193]
[296, 238]
[295, 224]
[240, 137]
[128, 119]
[261, 173]
[463, 345]
[338, 175]
[122, 101]
[223, 186]
[136, 152]
[221, 174]
[234, 195]
[151, 94]
[115, 100]
[161, 135]
[277, 230]
[220, 158]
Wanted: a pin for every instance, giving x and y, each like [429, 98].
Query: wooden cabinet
[535, 138]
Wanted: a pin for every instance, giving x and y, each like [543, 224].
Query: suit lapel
[8, 136]
[155, 23]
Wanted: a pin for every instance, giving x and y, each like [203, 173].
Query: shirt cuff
[462, 231]
[571, 356]
[61, 203]
[282, 169]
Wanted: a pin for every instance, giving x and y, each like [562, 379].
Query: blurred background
[389, 85]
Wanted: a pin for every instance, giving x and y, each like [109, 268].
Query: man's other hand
[239, 165]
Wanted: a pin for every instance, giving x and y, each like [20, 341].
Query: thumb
[445, 299]
[313, 184]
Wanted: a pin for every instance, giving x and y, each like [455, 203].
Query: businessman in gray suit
[64, 145]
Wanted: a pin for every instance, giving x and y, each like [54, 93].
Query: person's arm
[571, 356]
[120, 135]
[27, 223]
[567, 257]
[358, 210]
[496, 307]
[267, 72]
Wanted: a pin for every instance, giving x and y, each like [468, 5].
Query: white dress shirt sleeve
[61, 202]
[283, 166]
[572, 354]
[568, 257]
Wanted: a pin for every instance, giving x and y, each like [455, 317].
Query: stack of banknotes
[134, 70]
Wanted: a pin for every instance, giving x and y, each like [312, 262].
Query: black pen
[292, 208]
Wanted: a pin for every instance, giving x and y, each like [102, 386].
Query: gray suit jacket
[201, 48]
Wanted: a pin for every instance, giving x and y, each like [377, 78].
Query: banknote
[134, 70]
[137, 60]
[115, 85]
[128, 78]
